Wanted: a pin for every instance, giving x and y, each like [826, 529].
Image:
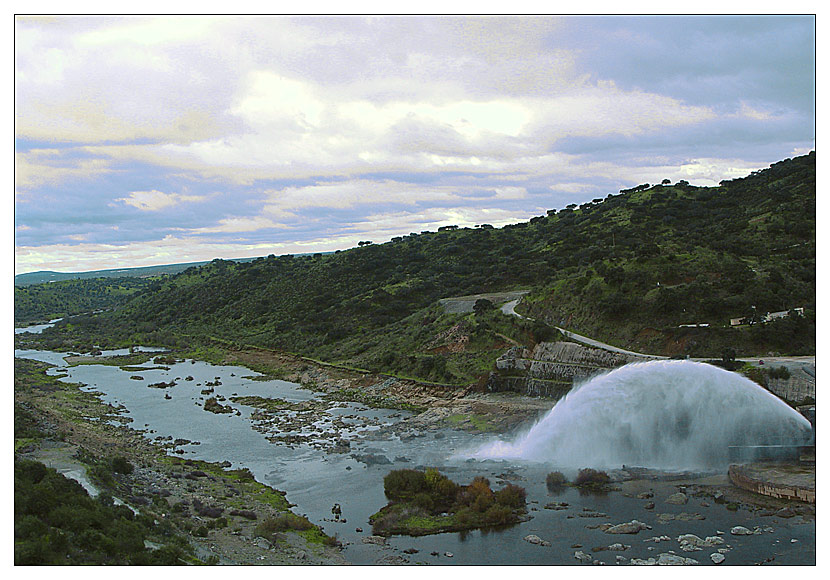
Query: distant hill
[659, 269]
[42, 277]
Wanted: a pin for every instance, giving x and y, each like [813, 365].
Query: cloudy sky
[142, 141]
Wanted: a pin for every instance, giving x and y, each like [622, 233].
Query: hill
[630, 269]
[42, 277]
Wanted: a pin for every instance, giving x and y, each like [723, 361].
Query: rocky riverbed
[422, 425]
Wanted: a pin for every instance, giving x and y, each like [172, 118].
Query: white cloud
[49, 166]
[155, 200]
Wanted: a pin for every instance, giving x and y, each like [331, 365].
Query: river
[315, 479]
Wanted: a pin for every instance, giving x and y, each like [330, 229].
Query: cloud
[282, 130]
[51, 166]
[156, 200]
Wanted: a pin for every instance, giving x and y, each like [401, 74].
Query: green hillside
[629, 269]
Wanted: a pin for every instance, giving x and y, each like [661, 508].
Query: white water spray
[661, 414]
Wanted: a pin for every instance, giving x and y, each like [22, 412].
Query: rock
[556, 505]
[674, 560]
[681, 517]
[664, 560]
[678, 498]
[392, 560]
[717, 558]
[448, 554]
[534, 539]
[740, 531]
[786, 512]
[372, 459]
[583, 557]
[618, 547]
[302, 555]
[619, 559]
[648, 505]
[359, 530]
[693, 543]
[631, 527]
[261, 542]
[377, 540]
[645, 495]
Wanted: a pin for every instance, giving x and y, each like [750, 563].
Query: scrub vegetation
[428, 502]
[634, 269]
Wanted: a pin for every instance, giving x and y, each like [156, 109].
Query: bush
[424, 500]
[498, 515]
[511, 496]
[555, 480]
[282, 523]
[591, 477]
[404, 484]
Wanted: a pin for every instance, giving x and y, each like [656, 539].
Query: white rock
[583, 557]
[740, 531]
[717, 557]
[674, 560]
[534, 539]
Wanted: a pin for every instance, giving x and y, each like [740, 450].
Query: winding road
[510, 308]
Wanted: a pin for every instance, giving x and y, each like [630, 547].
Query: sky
[158, 140]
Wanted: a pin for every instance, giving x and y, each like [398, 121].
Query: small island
[428, 502]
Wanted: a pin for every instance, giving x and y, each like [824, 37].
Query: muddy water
[315, 479]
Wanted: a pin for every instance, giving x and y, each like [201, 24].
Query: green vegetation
[555, 480]
[42, 302]
[56, 522]
[591, 478]
[629, 269]
[428, 502]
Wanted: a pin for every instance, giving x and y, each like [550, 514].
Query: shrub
[511, 496]
[247, 514]
[424, 500]
[555, 480]
[201, 532]
[497, 515]
[281, 523]
[591, 477]
[404, 484]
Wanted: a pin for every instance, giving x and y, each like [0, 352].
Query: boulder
[717, 558]
[534, 539]
[631, 527]
[740, 531]
[583, 557]
[677, 499]
[693, 543]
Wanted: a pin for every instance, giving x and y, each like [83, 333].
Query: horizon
[250, 136]
[254, 257]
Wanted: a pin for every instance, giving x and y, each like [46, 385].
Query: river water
[315, 480]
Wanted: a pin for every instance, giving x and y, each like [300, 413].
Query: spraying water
[660, 414]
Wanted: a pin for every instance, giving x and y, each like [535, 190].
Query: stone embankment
[800, 386]
[779, 480]
[550, 369]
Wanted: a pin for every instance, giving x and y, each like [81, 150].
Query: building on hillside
[769, 316]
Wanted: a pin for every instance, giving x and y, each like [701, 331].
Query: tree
[483, 306]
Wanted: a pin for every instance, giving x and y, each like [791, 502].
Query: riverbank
[455, 421]
[220, 512]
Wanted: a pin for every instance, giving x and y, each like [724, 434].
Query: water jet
[672, 414]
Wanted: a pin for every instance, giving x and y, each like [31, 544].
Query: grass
[479, 422]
